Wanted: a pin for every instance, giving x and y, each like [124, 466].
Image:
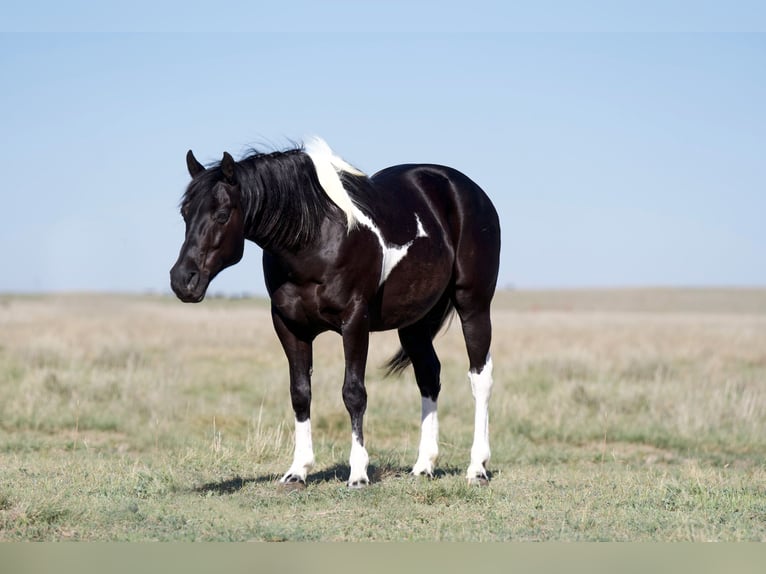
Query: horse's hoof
[478, 481]
[424, 474]
[292, 483]
[359, 484]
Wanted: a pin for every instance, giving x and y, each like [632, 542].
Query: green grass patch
[137, 419]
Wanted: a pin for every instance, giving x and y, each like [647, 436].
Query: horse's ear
[227, 167]
[194, 167]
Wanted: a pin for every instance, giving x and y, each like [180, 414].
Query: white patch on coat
[481, 387]
[429, 438]
[421, 229]
[328, 165]
[303, 459]
[392, 254]
[358, 462]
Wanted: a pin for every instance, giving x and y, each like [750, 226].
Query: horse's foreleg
[299, 358]
[356, 337]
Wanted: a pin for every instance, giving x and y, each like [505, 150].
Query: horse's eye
[222, 216]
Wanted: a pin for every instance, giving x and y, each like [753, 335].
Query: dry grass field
[616, 415]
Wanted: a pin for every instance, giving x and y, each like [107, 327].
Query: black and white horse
[353, 254]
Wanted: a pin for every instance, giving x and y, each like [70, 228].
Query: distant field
[617, 415]
[651, 300]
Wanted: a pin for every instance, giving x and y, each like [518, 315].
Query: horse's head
[215, 235]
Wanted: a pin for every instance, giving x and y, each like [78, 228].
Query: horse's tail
[401, 360]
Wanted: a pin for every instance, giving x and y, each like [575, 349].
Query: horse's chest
[316, 307]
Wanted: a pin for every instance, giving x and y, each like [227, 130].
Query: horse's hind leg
[477, 330]
[416, 341]
[477, 260]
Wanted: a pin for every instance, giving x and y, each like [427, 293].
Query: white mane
[328, 166]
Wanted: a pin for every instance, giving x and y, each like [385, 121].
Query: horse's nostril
[192, 279]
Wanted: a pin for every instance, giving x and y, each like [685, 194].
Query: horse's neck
[259, 229]
[312, 263]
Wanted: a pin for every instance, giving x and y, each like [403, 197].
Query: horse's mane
[282, 196]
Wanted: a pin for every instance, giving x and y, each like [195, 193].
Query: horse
[350, 253]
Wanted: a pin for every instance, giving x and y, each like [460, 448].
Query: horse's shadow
[337, 473]
[231, 485]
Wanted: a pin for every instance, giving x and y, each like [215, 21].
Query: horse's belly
[411, 290]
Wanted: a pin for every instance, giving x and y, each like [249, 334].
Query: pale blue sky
[614, 157]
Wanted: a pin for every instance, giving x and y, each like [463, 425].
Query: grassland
[616, 415]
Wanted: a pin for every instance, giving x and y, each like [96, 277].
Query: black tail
[401, 360]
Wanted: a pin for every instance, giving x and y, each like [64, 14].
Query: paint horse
[353, 254]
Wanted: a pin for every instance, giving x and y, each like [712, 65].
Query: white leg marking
[303, 458]
[429, 438]
[481, 387]
[358, 462]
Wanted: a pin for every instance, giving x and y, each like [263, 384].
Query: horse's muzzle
[188, 284]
